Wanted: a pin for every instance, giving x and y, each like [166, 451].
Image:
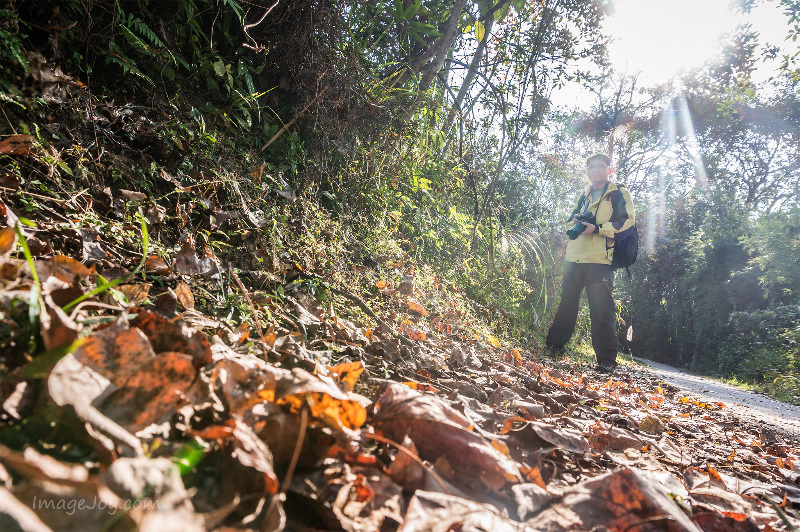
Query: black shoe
[608, 369]
[554, 351]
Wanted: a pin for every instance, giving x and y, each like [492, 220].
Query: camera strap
[599, 199]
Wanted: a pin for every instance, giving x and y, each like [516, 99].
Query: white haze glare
[659, 38]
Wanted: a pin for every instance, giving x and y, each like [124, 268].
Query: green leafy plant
[107, 285]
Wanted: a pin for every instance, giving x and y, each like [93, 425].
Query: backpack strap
[616, 198]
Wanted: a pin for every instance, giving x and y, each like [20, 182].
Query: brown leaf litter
[173, 423]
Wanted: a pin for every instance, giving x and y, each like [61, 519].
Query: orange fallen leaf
[534, 475]
[155, 264]
[420, 386]
[15, 145]
[510, 422]
[8, 237]
[323, 398]
[214, 432]
[417, 335]
[416, 307]
[347, 374]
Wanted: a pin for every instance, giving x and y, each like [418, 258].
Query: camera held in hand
[577, 230]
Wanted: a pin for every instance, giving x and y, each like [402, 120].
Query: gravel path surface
[750, 406]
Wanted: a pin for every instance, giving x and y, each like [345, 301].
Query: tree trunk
[473, 69]
[696, 354]
[437, 51]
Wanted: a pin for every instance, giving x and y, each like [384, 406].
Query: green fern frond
[144, 30]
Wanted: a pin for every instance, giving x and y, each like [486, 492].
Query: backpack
[626, 243]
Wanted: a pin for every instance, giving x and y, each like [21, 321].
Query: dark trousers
[598, 280]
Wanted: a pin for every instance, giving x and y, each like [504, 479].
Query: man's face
[598, 172]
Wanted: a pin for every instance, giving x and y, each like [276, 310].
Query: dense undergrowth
[234, 143]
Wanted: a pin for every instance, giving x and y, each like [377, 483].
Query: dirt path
[750, 406]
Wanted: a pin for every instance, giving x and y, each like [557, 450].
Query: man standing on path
[588, 263]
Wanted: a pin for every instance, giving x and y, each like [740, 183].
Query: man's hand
[589, 228]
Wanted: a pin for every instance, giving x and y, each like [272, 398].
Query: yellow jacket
[598, 247]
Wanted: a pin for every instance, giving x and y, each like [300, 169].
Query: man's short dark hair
[599, 157]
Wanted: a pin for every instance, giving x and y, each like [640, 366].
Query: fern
[139, 36]
[143, 30]
[12, 49]
[5, 98]
[115, 55]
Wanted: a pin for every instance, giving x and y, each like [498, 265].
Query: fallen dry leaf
[187, 262]
[435, 512]
[184, 295]
[15, 145]
[156, 265]
[347, 374]
[439, 432]
[413, 306]
[147, 387]
[57, 328]
[8, 238]
[136, 293]
[621, 500]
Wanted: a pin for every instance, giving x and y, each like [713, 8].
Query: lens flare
[536, 255]
[677, 134]
[692, 146]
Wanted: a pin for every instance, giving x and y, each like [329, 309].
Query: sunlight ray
[692, 146]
